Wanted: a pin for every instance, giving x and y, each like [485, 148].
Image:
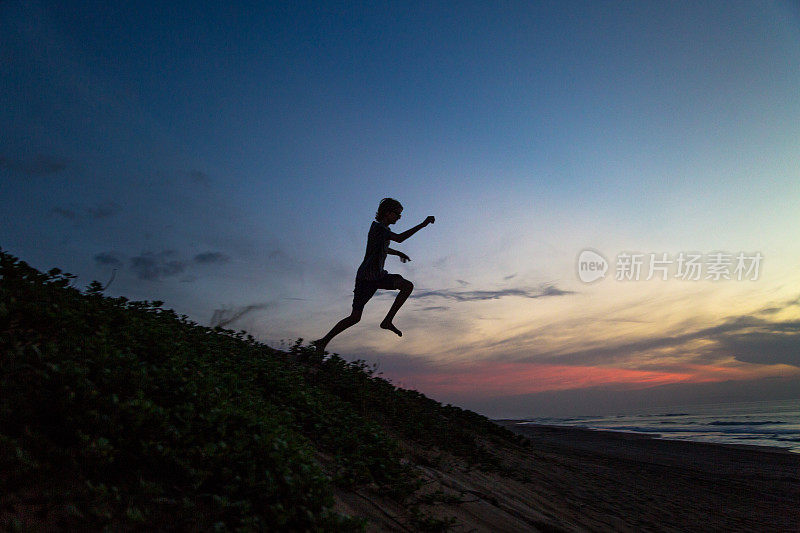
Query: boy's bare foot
[390, 327]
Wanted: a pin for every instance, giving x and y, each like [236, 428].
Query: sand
[582, 480]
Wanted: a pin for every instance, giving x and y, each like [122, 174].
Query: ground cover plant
[125, 415]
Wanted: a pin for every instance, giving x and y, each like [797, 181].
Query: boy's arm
[403, 257]
[400, 237]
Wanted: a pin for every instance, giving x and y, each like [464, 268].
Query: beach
[573, 479]
[613, 480]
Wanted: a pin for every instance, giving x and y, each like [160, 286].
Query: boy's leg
[342, 325]
[361, 295]
[405, 287]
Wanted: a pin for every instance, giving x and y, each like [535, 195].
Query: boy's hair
[386, 205]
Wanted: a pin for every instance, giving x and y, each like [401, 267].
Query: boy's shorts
[365, 289]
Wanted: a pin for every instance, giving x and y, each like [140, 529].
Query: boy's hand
[430, 220]
[403, 257]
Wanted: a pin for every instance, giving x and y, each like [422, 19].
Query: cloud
[462, 282]
[745, 338]
[765, 343]
[38, 165]
[81, 214]
[751, 339]
[435, 308]
[771, 310]
[208, 258]
[470, 296]
[200, 178]
[223, 317]
[552, 290]
[69, 214]
[156, 266]
[99, 211]
[511, 276]
[107, 259]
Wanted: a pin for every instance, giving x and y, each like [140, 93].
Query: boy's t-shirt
[377, 245]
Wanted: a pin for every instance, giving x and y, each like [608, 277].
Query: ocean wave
[761, 423]
[788, 439]
[745, 423]
[697, 430]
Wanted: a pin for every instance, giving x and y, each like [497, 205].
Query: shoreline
[518, 425]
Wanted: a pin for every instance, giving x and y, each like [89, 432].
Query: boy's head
[387, 206]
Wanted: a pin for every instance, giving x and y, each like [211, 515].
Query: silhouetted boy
[371, 275]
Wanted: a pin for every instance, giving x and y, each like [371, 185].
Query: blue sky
[228, 159]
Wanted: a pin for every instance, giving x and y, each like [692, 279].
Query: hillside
[123, 414]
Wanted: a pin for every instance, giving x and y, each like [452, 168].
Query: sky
[228, 159]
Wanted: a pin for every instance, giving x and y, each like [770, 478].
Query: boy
[371, 276]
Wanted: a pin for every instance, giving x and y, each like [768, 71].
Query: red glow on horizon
[508, 379]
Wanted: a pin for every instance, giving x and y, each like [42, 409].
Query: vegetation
[123, 415]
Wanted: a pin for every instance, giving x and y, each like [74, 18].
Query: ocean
[772, 423]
